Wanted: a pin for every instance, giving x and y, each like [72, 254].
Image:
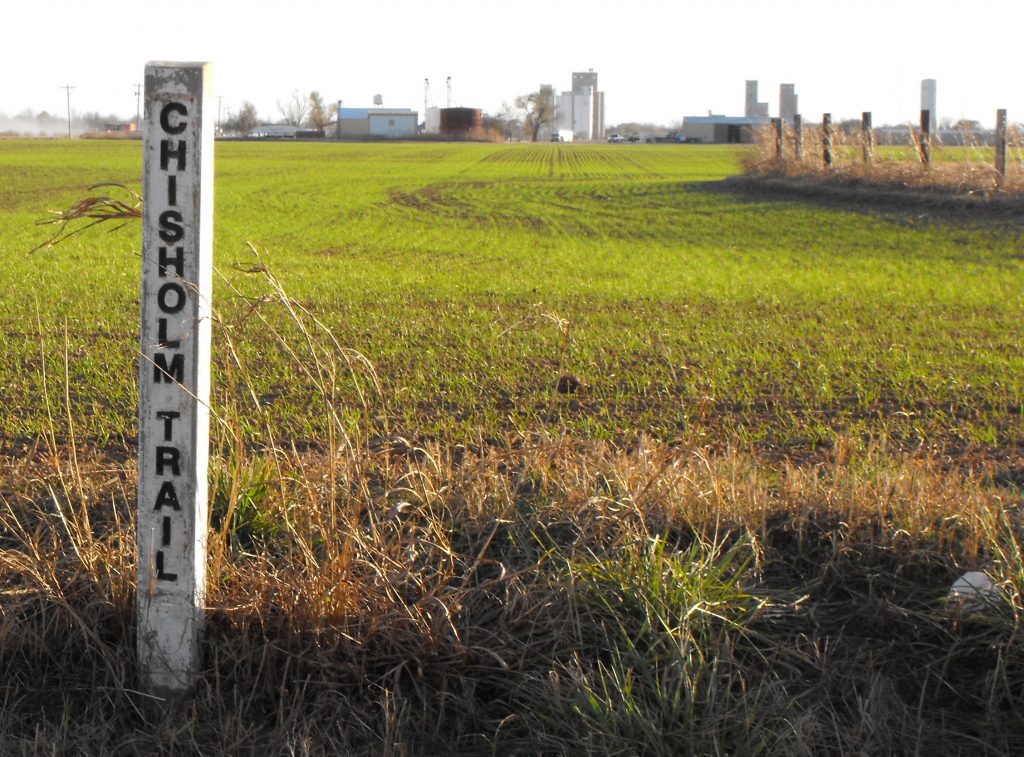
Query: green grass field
[459, 271]
[795, 423]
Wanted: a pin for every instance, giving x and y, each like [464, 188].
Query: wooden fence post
[826, 139]
[798, 137]
[1001, 145]
[777, 124]
[926, 138]
[867, 136]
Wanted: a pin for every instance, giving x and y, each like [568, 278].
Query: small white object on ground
[973, 592]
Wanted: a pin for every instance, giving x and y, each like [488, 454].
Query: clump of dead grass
[91, 211]
[967, 169]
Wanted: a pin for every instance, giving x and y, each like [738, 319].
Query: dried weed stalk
[90, 211]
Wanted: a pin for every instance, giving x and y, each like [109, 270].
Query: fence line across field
[923, 139]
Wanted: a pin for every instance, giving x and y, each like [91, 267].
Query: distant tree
[47, 121]
[295, 110]
[94, 120]
[246, 120]
[967, 124]
[319, 114]
[538, 110]
[505, 123]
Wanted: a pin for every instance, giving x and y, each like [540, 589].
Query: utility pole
[219, 99]
[68, 88]
[138, 119]
[449, 82]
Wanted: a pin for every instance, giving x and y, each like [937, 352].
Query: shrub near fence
[980, 163]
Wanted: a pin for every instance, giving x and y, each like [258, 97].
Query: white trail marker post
[174, 373]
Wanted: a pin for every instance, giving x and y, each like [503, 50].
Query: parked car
[556, 137]
[671, 138]
[614, 137]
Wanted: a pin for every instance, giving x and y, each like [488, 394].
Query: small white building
[393, 124]
[275, 130]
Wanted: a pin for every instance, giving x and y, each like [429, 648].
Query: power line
[68, 88]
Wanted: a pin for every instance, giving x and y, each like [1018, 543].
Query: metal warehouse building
[722, 129]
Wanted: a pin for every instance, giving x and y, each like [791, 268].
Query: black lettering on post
[166, 260]
[171, 229]
[161, 337]
[172, 189]
[165, 117]
[160, 575]
[168, 374]
[168, 457]
[167, 152]
[167, 497]
[168, 417]
[171, 298]
[165, 537]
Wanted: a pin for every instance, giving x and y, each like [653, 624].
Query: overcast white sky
[656, 61]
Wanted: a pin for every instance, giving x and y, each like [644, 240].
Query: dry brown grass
[449, 608]
[962, 170]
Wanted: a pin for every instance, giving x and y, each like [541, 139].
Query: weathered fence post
[777, 124]
[174, 373]
[1001, 145]
[867, 136]
[826, 139]
[926, 138]
[798, 137]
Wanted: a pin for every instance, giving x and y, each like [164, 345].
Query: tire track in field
[562, 190]
[459, 201]
[588, 208]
